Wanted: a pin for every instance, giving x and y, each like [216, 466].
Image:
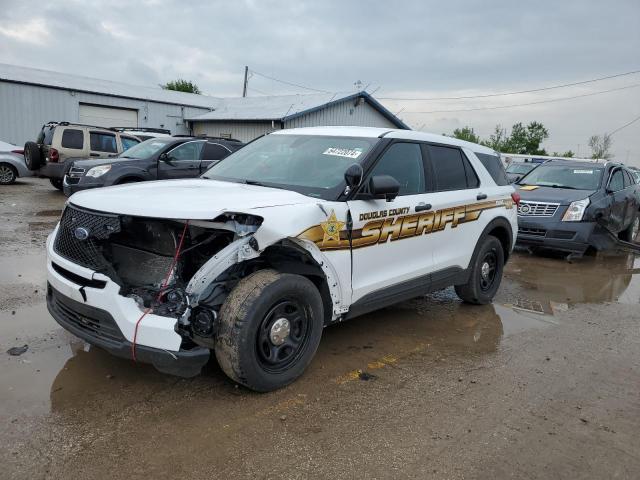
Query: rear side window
[450, 169]
[628, 179]
[45, 136]
[103, 142]
[128, 142]
[494, 166]
[72, 138]
[214, 151]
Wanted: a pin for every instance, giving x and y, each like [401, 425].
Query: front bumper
[72, 185]
[571, 237]
[52, 170]
[88, 304]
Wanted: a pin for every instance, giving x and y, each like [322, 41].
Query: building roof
[286, 107]
[47, 78]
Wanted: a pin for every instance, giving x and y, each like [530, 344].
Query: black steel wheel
[269, 329]
[485, 272]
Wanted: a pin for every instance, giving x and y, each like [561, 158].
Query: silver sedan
[12, 164]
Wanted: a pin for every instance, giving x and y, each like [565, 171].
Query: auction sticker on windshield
[583, 171]
[343, 152]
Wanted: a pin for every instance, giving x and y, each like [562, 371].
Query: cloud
[33, 31]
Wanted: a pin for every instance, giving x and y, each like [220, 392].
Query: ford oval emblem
[81, 233]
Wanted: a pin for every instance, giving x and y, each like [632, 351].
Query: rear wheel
[631, 233]
[270, 328]
[486, 273]
[8, 174]
[32, 155]
[56, 182]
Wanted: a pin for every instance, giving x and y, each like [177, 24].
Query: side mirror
[353, 175]
[384, 186]
[163, 157]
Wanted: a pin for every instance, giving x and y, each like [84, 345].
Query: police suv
[298, 230]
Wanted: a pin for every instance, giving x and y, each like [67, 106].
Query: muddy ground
[544, 383]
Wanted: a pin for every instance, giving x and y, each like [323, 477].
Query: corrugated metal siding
[243, 131]
[343, 113]
[25, 108]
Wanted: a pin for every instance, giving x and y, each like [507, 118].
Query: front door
[389, 246]
[618, 201]
[182, 161]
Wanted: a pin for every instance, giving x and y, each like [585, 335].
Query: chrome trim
[537, 209]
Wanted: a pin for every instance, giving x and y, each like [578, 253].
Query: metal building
[31, 97]
[248, 118]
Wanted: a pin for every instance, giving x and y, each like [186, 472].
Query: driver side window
[617, 181]
[186, 151]
[403, 161]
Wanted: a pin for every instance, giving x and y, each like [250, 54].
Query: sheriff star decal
[331, 228]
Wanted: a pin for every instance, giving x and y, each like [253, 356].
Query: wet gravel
[544, 383]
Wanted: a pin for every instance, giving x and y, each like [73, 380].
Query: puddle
[48, 213]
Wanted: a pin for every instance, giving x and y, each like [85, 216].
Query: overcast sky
[400, 49]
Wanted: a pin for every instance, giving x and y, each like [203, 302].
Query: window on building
[103, 142]
[72, 138]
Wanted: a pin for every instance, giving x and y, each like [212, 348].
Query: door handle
[421, 207]
[481, 196]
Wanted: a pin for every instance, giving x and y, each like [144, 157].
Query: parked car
[517, 170]
[12, 163]
[144, 133]
[572, 206]
[154, 159]
[59, 142]
[300, 229]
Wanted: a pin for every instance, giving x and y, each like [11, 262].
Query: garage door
[108, 116]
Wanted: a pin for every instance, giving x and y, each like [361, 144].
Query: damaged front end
[158, 262]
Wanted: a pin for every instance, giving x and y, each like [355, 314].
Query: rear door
[618, 200]
[631, 198]
[72, 143]
[102, 144]
[389, 246]
[182, 161]
[212, 153]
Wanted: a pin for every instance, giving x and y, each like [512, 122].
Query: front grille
[537, 209]
[96, 226]
[72, 180]
[90, 321]
[537, 232]
[76, 172]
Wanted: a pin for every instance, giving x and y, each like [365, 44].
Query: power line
[530, 103]
[542, 89]
[625, 125]
[290, 83]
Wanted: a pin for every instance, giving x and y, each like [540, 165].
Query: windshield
[564, 176]
[521, 168]
[309, 164]
[146, 149]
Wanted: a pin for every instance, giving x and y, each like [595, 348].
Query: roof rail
[207, 137]
[142, 129]
[64, 124]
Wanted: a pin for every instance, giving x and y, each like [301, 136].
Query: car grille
[91, 321]
[76, 172]
[536, 232]
[537, 209]
[96, 226]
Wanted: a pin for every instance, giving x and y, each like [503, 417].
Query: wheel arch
[500, 228]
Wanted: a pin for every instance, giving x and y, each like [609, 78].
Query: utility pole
[246, 80]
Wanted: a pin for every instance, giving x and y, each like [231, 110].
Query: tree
[181, 85]
[466, 133]
[567, 154]
[497, 140]
[527, 140]
[601, 146]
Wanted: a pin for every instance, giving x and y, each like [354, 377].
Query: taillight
[21, 152]
[54, 156]
[515, 196]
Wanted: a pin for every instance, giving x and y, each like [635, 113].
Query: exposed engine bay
[153, 260]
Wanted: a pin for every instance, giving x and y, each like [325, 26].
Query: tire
[631, 232]
[8, 174]
[486, 273]
[245, 345]
[32, 155]
[56, 182]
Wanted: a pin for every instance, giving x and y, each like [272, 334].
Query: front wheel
[486, 273]
[270, 328]
[56, 182]
[8, 174]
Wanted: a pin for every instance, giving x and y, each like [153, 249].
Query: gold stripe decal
[329, 235]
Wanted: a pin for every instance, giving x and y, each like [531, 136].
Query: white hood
[196, 199]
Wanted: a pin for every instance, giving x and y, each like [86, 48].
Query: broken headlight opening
[138, 253]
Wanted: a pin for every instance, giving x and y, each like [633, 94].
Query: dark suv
[572, 206]
[153, 159]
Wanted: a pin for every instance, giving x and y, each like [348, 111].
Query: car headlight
[98, 171]
[576, 210]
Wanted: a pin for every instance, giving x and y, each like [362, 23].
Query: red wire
[164, 285]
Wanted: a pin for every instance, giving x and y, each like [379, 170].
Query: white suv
[296, 231]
